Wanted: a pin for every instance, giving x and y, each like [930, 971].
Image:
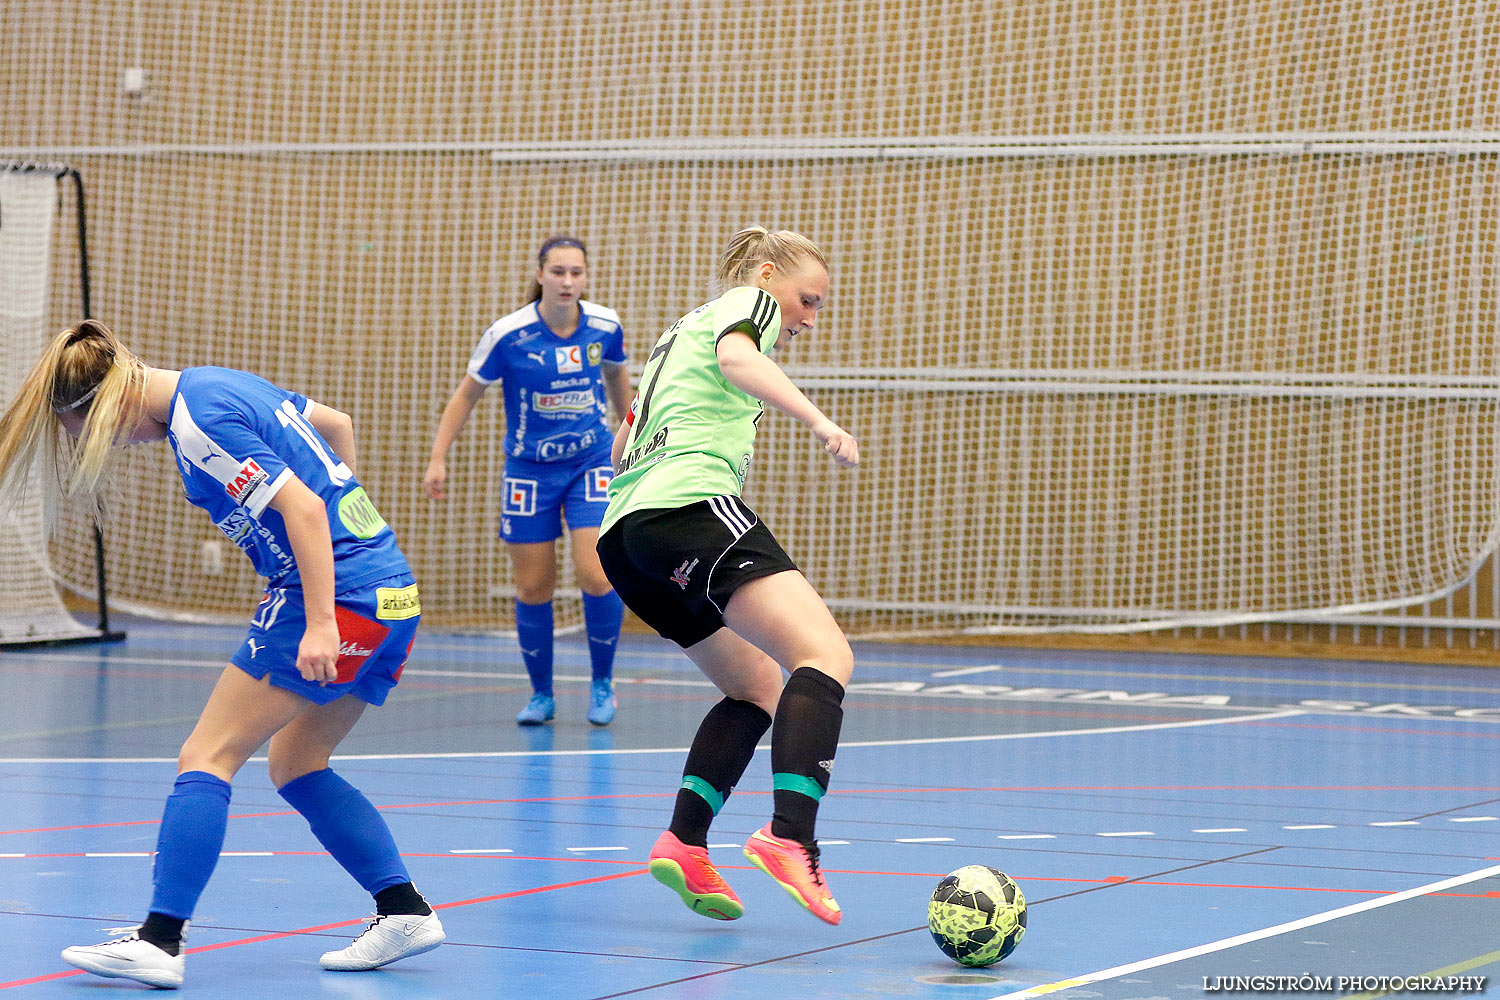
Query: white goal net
[1144, 314]
[30, 609]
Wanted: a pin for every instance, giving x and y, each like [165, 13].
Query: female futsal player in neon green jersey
[696, 564]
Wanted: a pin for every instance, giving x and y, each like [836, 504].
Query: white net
[1145, 314]
[32, 610]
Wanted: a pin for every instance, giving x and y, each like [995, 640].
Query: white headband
[79, 401]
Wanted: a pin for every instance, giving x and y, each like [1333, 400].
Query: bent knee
[837, 661]
[285, 769]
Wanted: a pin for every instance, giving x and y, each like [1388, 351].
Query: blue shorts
[377, 623]
[537, 496]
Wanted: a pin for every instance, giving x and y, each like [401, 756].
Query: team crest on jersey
[569, 359]
[596, 351]
[245, 481]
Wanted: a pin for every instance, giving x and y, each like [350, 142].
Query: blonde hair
[84, 370]
[753, 245]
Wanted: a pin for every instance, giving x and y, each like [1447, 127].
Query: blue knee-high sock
[350, 828]
[189, 842]
[534, 630]
[601, 619]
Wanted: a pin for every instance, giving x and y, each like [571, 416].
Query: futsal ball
[977, 915]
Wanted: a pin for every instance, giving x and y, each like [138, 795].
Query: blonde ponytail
[84, 370]
[753, 245]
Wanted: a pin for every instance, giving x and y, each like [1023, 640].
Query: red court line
[841, 791]
[259, 938]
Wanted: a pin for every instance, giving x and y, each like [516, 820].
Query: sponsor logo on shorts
[681, 573]
[596, 484]
[359, 637]
[245, 481]
[255, 647]
[520, 497]
[397, 603]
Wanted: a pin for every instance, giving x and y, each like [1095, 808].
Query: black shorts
[676, 568]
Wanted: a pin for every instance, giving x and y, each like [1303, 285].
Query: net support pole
[106, 634]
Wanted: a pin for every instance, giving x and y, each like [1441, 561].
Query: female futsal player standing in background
[274, 471]
[561, 360]
[698, 566]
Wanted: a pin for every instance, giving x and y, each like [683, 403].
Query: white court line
[488, 754]
[1309, 826]
[1128, 833]
[118, 854]
[969, 670]
[1398, 822]
[584, 850]
[1239, 939]
[1472, 819]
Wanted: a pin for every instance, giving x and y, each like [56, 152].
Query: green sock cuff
[708, 793]
[785, 781]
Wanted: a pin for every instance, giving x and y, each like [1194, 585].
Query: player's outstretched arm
[752, 372]
[337, 428]
[460, 405]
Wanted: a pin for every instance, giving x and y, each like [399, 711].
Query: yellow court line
[1450, 970]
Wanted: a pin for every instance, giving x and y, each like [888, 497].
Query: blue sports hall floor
[1174, 821]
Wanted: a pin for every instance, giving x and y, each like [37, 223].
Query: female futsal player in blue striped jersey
[696, 564]
[275, 472]
[561, 364]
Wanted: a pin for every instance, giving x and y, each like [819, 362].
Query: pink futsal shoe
[688, 872]
[795, 867]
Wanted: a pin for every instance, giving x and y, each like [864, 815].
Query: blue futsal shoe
[602, 703]
[538, 710]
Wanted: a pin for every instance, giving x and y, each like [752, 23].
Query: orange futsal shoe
[796, 868]
[688, 872]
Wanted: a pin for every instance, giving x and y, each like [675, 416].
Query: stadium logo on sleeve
[569, 359]
[245, 481]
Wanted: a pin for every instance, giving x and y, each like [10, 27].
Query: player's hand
[838, 442]
[318, 653]
[435, 482]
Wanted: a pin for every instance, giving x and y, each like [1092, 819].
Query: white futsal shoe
[385, 940]
[128, 957]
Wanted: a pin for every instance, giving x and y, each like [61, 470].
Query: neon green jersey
[692, 432]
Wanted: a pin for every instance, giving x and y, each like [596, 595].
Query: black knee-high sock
[720, 753]
[803, 743]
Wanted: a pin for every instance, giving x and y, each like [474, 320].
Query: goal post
[32, 610]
